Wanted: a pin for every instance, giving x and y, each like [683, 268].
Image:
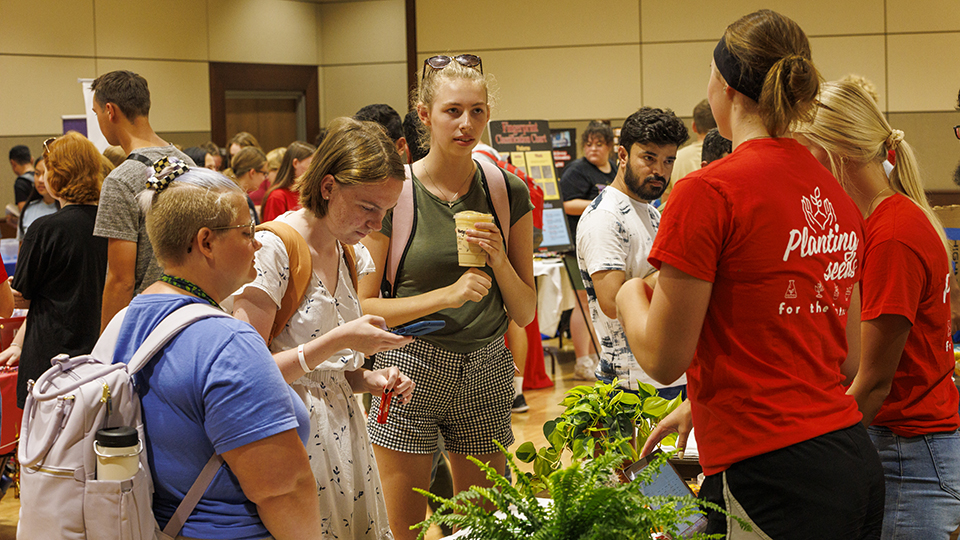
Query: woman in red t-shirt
[904, 385]
[752, 302]
[282, 195]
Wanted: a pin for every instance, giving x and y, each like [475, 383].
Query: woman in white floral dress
[355, 177]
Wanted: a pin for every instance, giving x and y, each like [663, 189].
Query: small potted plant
[598, 419]
[584, 504]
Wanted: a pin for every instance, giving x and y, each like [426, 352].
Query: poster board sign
[564, 147]
[528, 145]
[93, 126]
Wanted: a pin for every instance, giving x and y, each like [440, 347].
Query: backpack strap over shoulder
[404, 221]
[301, 272]
[350, 257]
[169, 327]
[497, 188]
[141, 158]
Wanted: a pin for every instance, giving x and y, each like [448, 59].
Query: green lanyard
[188, 286]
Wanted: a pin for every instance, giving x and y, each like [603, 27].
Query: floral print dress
[348, 481]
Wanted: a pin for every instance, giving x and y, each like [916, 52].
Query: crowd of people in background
[795, 292]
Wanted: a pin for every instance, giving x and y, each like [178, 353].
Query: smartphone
[418, 328]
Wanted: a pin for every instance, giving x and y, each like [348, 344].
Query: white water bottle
[118, 453]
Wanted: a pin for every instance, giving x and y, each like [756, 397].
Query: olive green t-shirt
[432, 263]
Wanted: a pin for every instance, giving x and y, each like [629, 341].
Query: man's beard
[645, 190]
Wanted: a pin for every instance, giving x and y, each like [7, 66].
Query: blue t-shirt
[215, 387]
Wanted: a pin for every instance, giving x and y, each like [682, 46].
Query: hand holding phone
[418, 328]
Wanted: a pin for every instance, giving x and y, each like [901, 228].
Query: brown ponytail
[773, 49]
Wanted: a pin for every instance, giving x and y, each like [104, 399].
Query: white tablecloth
[554, 293]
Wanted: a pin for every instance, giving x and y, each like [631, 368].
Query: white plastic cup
[118, 453]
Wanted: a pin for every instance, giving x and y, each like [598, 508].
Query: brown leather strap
[301, 272]
[350, 257]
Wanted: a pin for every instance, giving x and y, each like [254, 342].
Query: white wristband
[303, 361]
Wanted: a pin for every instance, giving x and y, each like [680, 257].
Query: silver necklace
[449, 200]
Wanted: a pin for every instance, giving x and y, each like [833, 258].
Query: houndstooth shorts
[465, 397]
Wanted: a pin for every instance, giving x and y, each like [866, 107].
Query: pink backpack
[405, 219]
[59, 495]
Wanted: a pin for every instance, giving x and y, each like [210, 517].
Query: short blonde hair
[74, 169]
[198, 198]
[354, 152]
[274, 157]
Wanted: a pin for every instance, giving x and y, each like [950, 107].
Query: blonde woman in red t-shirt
[752, 303]
[904, 385]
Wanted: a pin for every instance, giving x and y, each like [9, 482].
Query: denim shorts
[466, 397]
[922, 477]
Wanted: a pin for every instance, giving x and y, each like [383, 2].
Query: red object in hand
[384, 406]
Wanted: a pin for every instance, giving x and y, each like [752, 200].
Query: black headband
[732, 72]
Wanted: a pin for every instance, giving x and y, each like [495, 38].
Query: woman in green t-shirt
[464, 373]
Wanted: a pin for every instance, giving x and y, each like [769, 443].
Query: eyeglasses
[252, 226]
[956, 131]
[46, 147]
[441, 61]
[265, 173]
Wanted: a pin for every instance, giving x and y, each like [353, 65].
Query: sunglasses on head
[441, 61]
[46, 148]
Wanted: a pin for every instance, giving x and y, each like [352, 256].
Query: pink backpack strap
[402, 228]
[497, 186]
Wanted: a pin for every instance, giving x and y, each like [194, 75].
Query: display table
[554, 293]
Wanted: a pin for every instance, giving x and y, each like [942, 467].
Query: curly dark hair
[653, 126]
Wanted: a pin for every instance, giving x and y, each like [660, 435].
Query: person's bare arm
[606, 285]
[882, 341]
[6, 299]
[852, 363]
[513, 269]
[367, 334]
[472, 286]
[575, 207]
[274, 473]
[663, 331]
[121, 278]
[11, 356]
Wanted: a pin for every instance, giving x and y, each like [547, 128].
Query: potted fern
[585, 504]
[598, 419]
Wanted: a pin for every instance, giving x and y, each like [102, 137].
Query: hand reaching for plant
[680, 421]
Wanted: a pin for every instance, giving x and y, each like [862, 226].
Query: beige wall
[569, 62]
[562, 60]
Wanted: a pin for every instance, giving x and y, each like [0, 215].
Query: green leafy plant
[598, 419]
[586, 504]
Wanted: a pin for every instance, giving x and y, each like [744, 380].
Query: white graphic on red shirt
[836, 291]
[791, 290]
[819, 213]
[848, 293]
[819, 288]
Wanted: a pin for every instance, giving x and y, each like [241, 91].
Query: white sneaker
[585, 369]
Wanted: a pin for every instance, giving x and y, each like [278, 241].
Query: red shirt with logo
[782, 244]
[906, 272]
